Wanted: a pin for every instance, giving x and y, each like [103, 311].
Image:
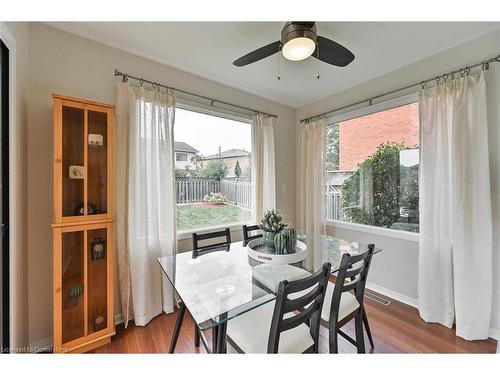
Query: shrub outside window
[372, 164]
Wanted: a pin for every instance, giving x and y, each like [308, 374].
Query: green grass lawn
[199, 215]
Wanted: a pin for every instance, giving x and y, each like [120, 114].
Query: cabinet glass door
[97, 162]
[73, 316]
[97, 279]
[73, 170]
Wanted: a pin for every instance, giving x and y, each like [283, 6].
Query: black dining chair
[199, 250]
[344, 299]
[290, 324]
[247, 233]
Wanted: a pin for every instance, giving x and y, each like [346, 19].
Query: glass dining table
[225, 282]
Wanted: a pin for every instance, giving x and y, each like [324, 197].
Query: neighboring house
[184, 156]
[335, 179]
[230, 157]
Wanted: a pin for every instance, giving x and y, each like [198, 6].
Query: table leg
[215, 332]
[177, 328]
[222, 339]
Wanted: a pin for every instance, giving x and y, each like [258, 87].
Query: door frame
[18, 313]
[4, 139]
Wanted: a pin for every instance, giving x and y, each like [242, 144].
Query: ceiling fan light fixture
[298, 40]
[298, 48]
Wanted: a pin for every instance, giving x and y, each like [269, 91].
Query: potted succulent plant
[271, 224]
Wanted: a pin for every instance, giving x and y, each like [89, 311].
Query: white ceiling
[208, 49]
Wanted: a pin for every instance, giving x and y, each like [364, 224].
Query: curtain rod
[126, 77]
[485, 64]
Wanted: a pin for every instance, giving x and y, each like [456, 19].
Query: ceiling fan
[299, 41]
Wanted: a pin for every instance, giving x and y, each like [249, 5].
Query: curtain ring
[467, 70]
[422, 84]
[141, 81]
[486, 65]
[154, 85]
[445, 77]
[125, 78]
[462, 72]
[438, 79]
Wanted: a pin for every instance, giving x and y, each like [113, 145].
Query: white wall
[400, 257]
[74, 66]
[16, 36]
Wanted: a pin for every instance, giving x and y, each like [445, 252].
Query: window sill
[185, 234]
[385, 232]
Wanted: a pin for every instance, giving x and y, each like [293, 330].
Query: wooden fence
[237, 191]
[194, 190]
[333, 206]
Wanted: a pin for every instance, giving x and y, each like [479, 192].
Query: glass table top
[222, 284]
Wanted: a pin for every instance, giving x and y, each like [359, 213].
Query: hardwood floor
[396, 328]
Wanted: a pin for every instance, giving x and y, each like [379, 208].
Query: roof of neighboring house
[182, 146]
[233, 153]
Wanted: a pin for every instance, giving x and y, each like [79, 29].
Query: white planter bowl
[265, 257]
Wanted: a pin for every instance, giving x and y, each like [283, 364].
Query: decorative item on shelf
[76, 291]
[96, 140]
[99, 320]
[98, 248]
[76, 172]
[279, 243]
[91, 209]
[271, 224]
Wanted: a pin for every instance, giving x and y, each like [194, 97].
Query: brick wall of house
[360, 137]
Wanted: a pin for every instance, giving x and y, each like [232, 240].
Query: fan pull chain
[317, 60]
[279, 66]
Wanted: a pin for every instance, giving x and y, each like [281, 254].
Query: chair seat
[250, 332]
[348, 303]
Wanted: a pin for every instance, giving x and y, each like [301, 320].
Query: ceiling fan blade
[333, 53]
[258, 54]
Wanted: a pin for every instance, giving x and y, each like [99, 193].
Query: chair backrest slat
[197, 238]
[308, 306]
[247, 229]
[300, 302]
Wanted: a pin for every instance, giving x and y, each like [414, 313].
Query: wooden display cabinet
[83, 224]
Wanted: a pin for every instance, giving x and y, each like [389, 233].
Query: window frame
[179, 153]
[359, 112]
[210, 110]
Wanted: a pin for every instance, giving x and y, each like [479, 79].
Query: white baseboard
[495, 334]
[42, 345]
[392, 294]
[413, 302]
[119, 319]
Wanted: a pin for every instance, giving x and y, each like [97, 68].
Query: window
[181, 156]
[372, 163]
[212, 175]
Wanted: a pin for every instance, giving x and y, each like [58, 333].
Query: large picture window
[372, 166]
[212, 170]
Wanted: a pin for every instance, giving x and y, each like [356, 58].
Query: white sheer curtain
[311, 187]
[455, 265]
[263, 173]
[146, 226]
